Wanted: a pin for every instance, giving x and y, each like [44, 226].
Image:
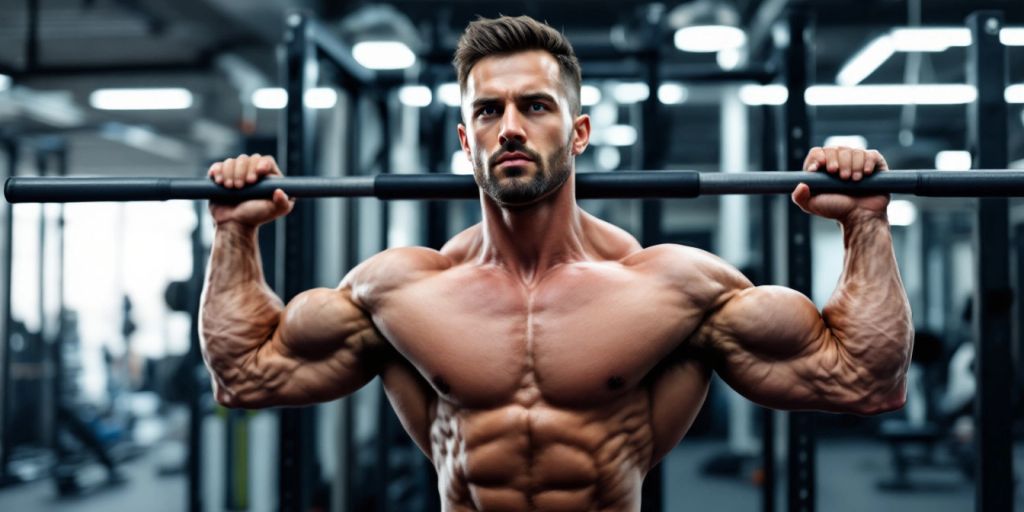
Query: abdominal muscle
[539, 457]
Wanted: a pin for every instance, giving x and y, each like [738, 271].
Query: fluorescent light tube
[630, 92]
[589, 95]
[709, 38]
[449, 94]
[866, 61]
[757, 95]
[898, 94]
[383, 55]
[672, 93]
[848, 141]
[170, 98]
[929, 39]
[953, 160]
[415, 95]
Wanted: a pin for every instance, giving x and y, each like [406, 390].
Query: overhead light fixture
[928, 94]
[631, 92]
[1014, 93]
[1012, 36]
[914, 39]
[929, 39]
[320, 98]
[415, 95]
[709, 38]
[847, 141]
[461, 164]
[274, 98]
[270, 98]
[866, 61]
[590, 95]
[169, 98]
[953, 161]
[618, 135]
[5, 82]
[450, 94]
[672, 93]
[608, 158]
[728, 59]
[383, 55]
[758, 95]
[901, 212]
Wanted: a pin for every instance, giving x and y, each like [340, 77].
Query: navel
[616, 383]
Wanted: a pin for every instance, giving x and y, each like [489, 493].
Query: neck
[532, 239]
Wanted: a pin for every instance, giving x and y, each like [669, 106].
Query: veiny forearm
[869, 316]
[239, 312]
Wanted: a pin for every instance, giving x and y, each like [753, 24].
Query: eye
[538, 107]
[485, 111]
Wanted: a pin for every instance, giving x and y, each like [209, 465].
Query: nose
[511, 127]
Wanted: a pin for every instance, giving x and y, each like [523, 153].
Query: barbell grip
[622, 184]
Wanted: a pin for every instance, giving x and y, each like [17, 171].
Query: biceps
[773, 347]
[325, 347]
[772, 322]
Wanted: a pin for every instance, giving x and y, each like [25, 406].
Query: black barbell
[621, 184]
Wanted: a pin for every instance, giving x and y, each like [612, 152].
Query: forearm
[238, 311]
[868, 315]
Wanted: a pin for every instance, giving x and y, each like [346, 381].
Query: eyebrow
[543, 96]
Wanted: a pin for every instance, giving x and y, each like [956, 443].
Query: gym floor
[847, 474]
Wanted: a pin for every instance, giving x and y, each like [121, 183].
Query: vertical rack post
[297, 431]
[800, 460]
[993, 299]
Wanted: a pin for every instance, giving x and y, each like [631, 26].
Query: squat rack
[986, 137]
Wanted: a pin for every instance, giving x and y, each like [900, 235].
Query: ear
[581, 134]
[464, 142]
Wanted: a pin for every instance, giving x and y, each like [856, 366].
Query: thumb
[802, 196]
[282, 203]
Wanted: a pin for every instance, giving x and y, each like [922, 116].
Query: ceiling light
[415, 95]
[929, 39]
[1012, 36]
[953, 160]
[383, 55]
[608, 158]
[931, 94]
[901, 212]
[461, 164]
[709, 38]
[1014, 93]
[757, 95]
[273, 98]
[728, 59]
[589, 95]
[449, 94]
[171, 98]
[269, 98]
[672, 93]
[618, 135]
[320, 97]
[631, 92]
[866, 61]
[847, 141]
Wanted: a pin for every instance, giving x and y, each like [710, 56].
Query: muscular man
[543, 359]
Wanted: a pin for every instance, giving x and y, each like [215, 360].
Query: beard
[515, 189]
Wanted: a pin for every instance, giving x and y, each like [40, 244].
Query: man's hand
[240, 172]
[847, 164]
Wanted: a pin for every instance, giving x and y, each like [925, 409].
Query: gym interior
[107, 403]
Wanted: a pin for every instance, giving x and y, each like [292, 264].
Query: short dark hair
[506, 34]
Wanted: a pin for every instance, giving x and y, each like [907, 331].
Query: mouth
[513, 160]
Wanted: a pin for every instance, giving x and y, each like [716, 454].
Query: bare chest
[584, 335]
